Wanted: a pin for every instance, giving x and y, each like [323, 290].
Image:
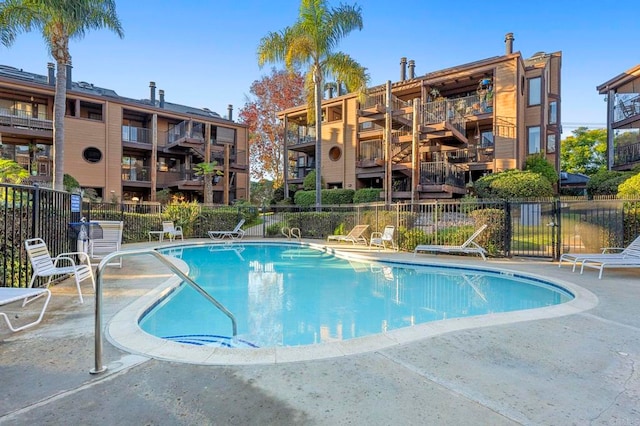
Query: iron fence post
[35, 212]
[507, 228]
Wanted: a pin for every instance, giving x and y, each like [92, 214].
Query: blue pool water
[290, 295]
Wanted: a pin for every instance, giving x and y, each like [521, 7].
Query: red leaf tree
[270, 94]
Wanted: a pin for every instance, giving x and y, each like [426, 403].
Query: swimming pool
[293, 295]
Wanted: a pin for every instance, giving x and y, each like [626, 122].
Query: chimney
[161, 92]
[508, 40]
[412, 66]
[152, 95]
[330, 91]
[69, 81]
[403, 69]
[230, 112]
[51, 75]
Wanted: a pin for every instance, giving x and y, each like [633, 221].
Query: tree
[208, 171]
[277, 92]
[584, 152]
[310, 42]
[12, 172]
[59, 21]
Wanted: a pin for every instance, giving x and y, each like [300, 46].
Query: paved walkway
[575, 369]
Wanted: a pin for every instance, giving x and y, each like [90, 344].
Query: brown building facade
[431, 136]
[122, 148]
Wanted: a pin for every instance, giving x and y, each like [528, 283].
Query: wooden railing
[21, 118]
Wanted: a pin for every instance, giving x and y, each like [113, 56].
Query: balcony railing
[626, 109]
[185, 129]
[370, 150]
[303, 135]
[21, 118]
[441, 173]
[136, 173]
[136, 134]
[626, 154]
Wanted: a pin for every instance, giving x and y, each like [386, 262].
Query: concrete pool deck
[578, 368]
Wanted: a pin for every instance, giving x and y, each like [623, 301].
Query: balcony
[186, 132]
[370, 154]
[136, 135]
[136, 174]
[441, 178]
[23, 123]
[626, 156]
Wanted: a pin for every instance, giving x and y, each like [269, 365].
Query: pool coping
[124, 332]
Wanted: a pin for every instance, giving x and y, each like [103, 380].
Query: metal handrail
[98, 367]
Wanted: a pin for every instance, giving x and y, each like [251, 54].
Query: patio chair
[381, 239]
[26, 295]
[607, 254]
[45, 266]
[109, 243]
[631, 261]
[172, 231]
[468, 247]
[355, 236]
[236, 234]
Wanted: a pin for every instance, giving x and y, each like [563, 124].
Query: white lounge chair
[172, 231]
[468, 247]
[45, 266]
[109, 243]
[355, 236]
[607, 254]
[631, 259]
[381, 239]
[26, 295]
[236, 234]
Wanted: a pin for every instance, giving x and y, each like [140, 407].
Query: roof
[573, 179]
[88, 88]
[619, 80]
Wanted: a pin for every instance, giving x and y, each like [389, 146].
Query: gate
[534, 228]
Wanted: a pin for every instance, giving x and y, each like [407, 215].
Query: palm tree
[209, 172]
[310, 42]
[59, 21]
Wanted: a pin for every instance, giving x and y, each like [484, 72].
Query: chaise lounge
[468, 247]
[236, 234]
[26, 295]
[355, 236]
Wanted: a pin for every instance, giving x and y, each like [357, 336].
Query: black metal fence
[541, 228]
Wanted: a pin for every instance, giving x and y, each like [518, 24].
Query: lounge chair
[171, 230]
[109, 243]
[607, 254]
[26, 295]
[632, 261]
[381, 239]
[355, 236]
[45, 266]
[468, 247]
[236, 234]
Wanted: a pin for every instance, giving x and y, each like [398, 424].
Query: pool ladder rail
[98, 367]
[291, 233]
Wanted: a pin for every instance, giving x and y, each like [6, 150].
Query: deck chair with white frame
[236, 233]
[468, 247]
[45, 266]
[607, 254]
[355, 236]
[109, 243]
[381, 239]
[172, 231]
[10, 295]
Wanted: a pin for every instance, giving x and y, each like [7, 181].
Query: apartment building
[432, 135]
[123, 148]
[623, 119]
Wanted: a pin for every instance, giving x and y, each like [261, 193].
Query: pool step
[211, 340]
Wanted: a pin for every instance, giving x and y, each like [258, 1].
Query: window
[92, 155]
[335, 153]
[535, 91]
[533, 140]
[225, 135]
[551, 143]
[486, 139]
[553, 112]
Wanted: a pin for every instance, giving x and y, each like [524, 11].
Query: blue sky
[202, 53]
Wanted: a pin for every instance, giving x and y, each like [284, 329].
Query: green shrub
[513, 184]
[606, 182]
[537, 163]
[337, 196]
[630, 188]
[367, 195]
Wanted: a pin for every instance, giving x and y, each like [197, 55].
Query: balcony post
[226, 174]
[154, 156]
[388, 169]
[415, 154]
